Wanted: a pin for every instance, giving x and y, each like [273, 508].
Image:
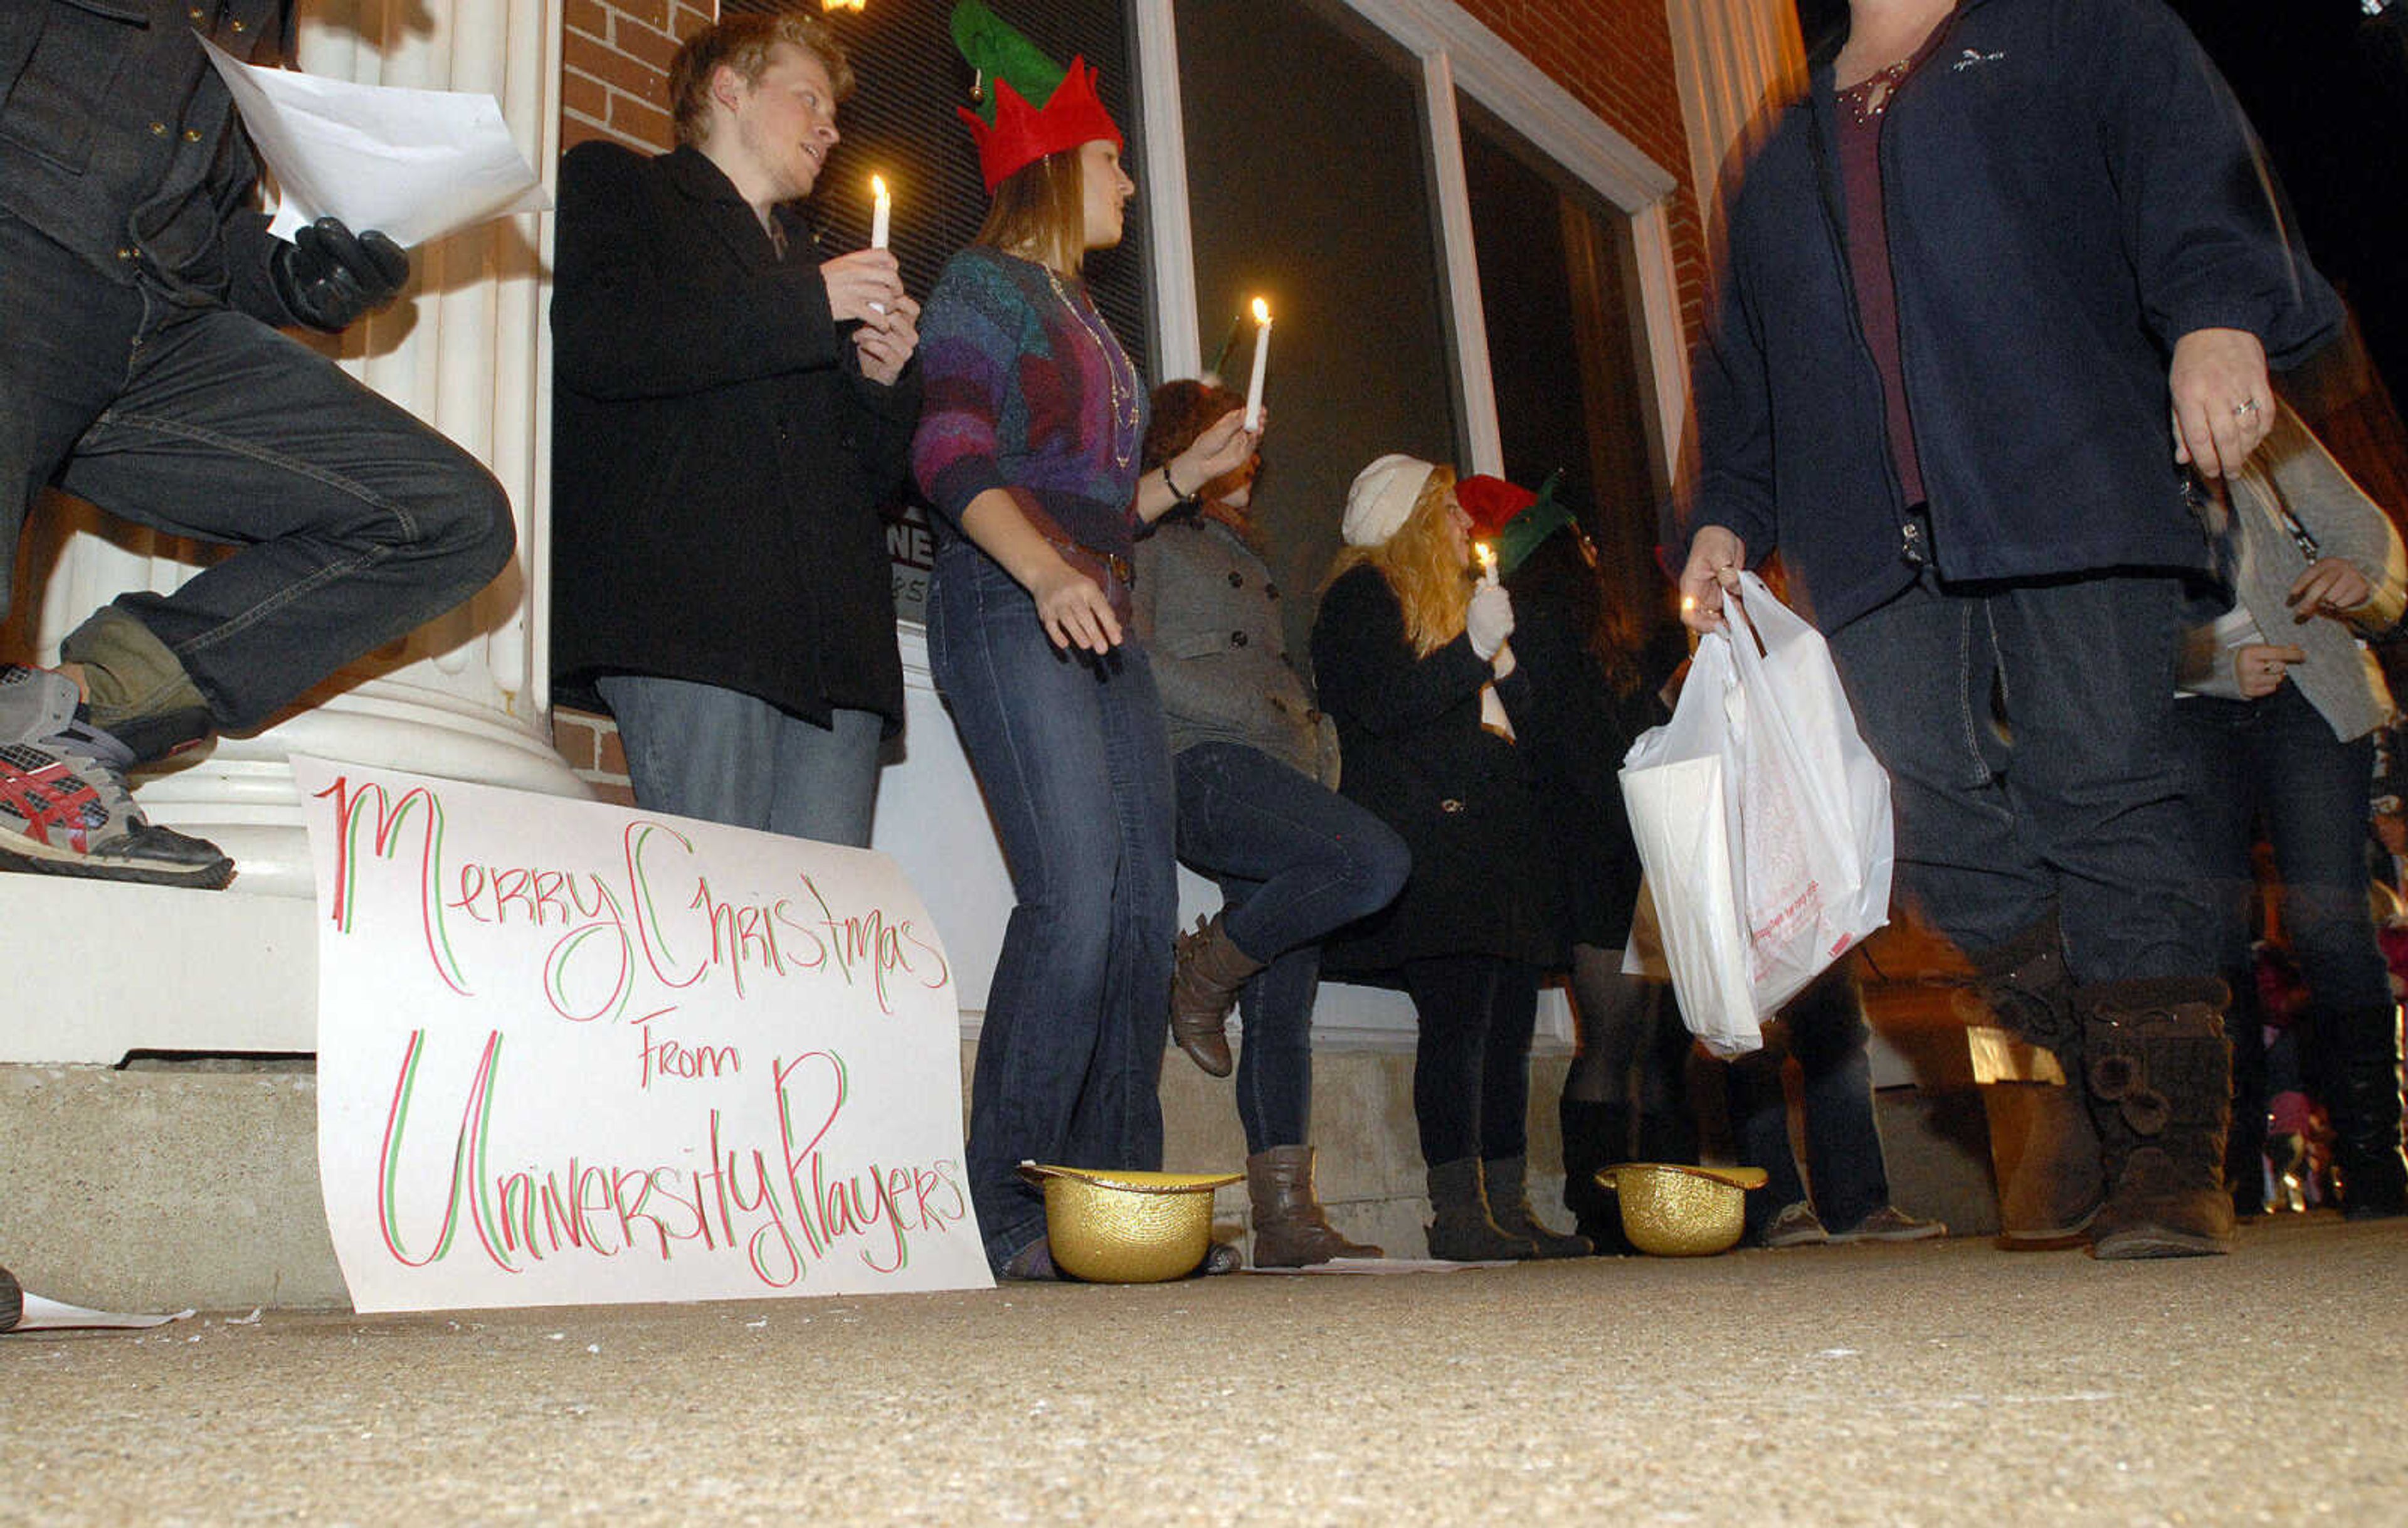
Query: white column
[466, 351]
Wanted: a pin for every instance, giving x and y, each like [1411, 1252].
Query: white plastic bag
[1763, 822]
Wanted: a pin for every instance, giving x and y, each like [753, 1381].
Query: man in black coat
[730, 412]
[140, 370]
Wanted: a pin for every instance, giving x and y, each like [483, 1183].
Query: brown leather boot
[2054, 1185]
[1204, 984]
[1291, 1228]
[2160, 1074]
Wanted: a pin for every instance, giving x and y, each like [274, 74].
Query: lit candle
[881, 205]
[1262, 357]
[1487, 556]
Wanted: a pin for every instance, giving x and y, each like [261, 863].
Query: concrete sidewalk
[1935, 1383]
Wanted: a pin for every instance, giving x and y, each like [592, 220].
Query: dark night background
[2327, 86]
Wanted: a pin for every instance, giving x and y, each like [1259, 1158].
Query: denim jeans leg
[1121, 1114]
[1317, 861]
[355, 523]
[1054, 1079]
[826, 777]
[2087, 669]
[2076, 805]
[1918, 672]
[2315, 787]
[1844, 1160]
[1275, 1055]
[1759, 1102]
[695, 750]
[2221, 780]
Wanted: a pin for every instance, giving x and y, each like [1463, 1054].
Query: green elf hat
[1513, 520]
[1009, 132]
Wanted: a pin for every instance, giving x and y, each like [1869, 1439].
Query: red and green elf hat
[1514, 518]
[1009, 132]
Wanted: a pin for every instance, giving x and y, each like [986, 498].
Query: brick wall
[614, 67]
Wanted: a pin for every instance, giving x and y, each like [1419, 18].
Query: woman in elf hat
[1027, 446]
[1414, 662]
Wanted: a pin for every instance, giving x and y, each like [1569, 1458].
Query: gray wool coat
[2339, 678]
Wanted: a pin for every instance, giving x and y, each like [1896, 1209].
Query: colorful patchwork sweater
[1027, 389]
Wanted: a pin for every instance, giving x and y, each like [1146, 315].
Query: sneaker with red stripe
[64, 805]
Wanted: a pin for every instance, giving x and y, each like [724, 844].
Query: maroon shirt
[1868, 232]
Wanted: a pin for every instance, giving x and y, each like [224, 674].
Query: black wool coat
[718, 458]
[1414, 753]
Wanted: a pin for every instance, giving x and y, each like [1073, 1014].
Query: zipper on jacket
[1834, 226]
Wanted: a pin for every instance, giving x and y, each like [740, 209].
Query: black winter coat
[718, 458]
[1573, 736]
[1415, 755]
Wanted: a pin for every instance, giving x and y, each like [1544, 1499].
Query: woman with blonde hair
[1414, 663]
[1028, 448]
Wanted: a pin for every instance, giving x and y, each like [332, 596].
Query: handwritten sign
[570, 1053]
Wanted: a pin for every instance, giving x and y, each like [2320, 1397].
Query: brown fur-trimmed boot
[1291, 1228]
[2160, 1074]
[1204, 984]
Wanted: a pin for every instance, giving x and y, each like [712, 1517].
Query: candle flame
[1262, 311]
[1487, 556]
[878, 186]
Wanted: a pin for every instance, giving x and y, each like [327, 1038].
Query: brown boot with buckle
[2160, 1074]
[1204, 982]
[1291, 1228]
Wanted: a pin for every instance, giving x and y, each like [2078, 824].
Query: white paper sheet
[43, 1315]
[416, 165]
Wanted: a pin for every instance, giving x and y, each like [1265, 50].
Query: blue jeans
[724, 756]
[1294, 862]
[1827, 1033]
[2276, 761]
[355, 523]
[2073, 805]
[1070, 753]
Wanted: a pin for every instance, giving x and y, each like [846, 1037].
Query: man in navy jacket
[2006, 271]
[141, 369]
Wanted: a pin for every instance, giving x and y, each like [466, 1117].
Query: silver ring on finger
[2243, 409]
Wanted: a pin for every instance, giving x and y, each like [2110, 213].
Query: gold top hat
[1109, 1226]
[1676, 1211]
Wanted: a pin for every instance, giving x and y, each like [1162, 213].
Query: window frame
[1457, 52]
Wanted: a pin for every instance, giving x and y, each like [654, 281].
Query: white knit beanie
[1383, 499]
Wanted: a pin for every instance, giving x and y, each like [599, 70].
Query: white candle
[881, 205]
[1262, 357]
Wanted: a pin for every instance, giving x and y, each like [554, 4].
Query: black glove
[329, 277]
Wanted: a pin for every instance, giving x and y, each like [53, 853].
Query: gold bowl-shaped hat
[1682, 1212]
[1110, 1227]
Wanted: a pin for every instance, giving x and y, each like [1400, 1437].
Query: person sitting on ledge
[141, 370]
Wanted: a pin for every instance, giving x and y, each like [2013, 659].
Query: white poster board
[570, 1053]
